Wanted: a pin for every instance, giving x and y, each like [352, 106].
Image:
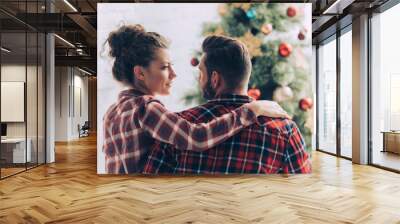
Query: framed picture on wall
[12, 101]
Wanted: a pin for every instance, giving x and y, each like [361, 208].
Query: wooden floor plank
[70, 191]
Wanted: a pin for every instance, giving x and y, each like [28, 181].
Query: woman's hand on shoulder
[267, 108]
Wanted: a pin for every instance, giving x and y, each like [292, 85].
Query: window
[385, 89]
[22, 65]
[327, 97]
[346, 94]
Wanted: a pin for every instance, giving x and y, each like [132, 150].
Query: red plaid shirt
[132, 124]
[270, 146]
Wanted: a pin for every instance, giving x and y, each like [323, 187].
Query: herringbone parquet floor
[70, 191]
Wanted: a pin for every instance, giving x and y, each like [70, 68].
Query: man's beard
[208, 90]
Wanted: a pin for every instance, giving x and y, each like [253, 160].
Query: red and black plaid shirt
[132, 124]
[272, 145]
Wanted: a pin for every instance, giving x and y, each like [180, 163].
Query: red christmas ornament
[291, 11]
[301, 35]
[194, 62]
[305, 104]
[285, 49]
[254, 93]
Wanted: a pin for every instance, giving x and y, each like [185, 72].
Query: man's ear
[216, 81]
[138, 72]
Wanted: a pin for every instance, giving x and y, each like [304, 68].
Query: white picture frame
[12, 101]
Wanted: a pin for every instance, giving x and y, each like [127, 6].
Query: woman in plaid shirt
[132, 123]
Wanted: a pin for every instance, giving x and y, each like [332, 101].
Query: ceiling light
[65, 41]
[84, 71]
[70, 5]
[326, 11]
[5, 50]
[337, 7]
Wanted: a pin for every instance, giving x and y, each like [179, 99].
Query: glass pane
[346, 94]
[41, 99]
[23, 89]
[386, 89]
[31, 101]
[13, 86]
[327, 97]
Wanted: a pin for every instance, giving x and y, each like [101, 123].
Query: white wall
[80, 105]
[61, 103]
[70, 83]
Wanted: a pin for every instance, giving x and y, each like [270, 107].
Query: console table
[391, 141]
[13, 150]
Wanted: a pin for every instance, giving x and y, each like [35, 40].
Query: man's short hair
[229, 57]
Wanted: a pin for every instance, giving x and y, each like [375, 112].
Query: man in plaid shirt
[273, 145]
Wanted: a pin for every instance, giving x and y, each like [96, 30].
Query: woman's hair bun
[119, 40]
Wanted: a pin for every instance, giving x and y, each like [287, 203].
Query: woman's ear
[138, 72]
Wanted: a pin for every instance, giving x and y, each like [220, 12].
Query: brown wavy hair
[131, 45]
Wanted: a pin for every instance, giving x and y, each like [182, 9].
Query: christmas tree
[276, 38]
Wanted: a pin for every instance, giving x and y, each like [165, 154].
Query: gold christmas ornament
[244, 6]
[266, 28]
[282, 94]
[237, 5]
[222, 9]
[253, 44]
